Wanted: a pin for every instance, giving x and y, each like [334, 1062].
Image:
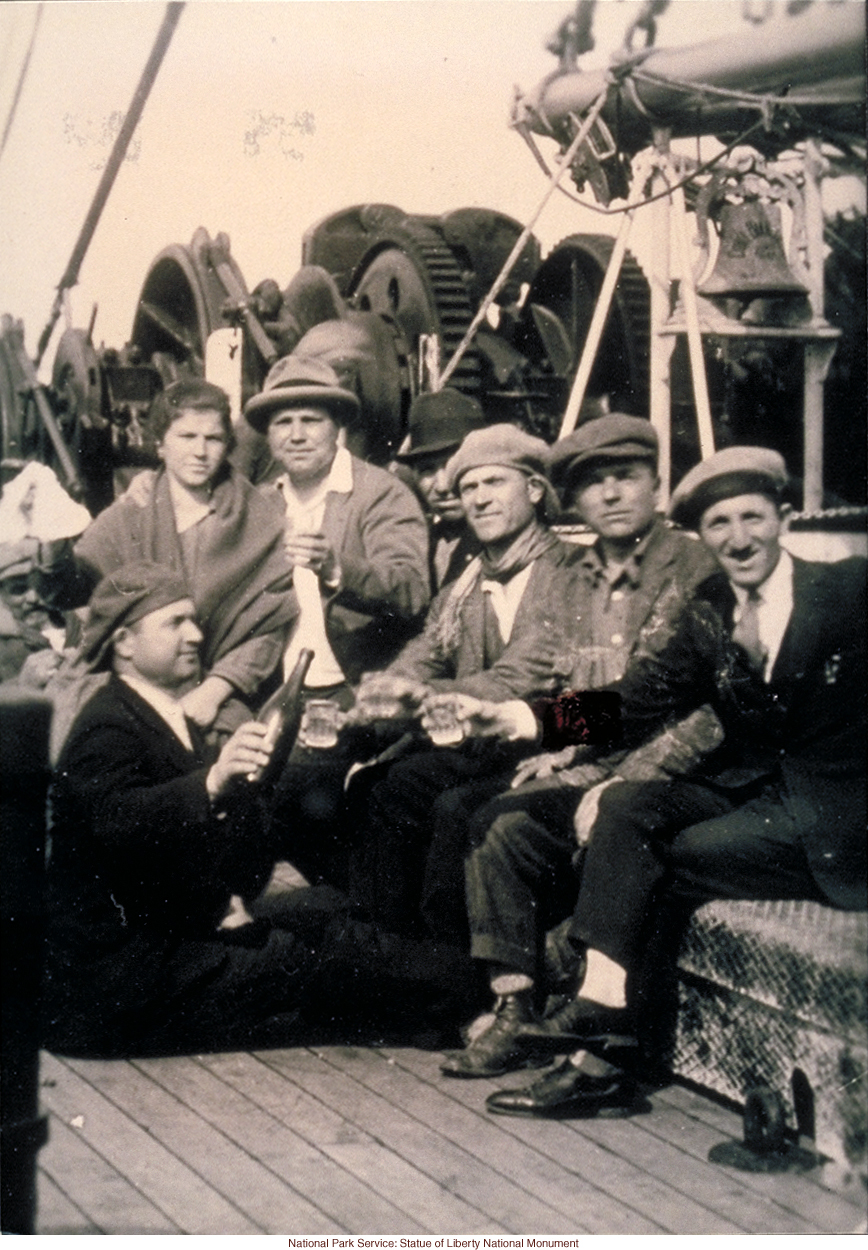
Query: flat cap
[124, 597]
[439, 420]
[510, 447]
[616, 436]
[300, 380]
[733, 471]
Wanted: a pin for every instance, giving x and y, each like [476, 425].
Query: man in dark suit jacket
[776, 646]
[152, 834]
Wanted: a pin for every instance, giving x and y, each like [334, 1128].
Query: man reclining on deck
[776, 646]
[152, 834]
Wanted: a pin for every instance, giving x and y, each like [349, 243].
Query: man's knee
[633, 800]
[509, 803]
[511, 840]
[411, 785]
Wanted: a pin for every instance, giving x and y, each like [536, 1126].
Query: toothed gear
[412, 275]
[571, 293]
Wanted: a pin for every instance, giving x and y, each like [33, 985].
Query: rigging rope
[749, 98]
[21, 77]
[662, 195]
[579, 138]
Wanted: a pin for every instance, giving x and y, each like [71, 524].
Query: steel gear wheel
[567, 284]
[410, 274]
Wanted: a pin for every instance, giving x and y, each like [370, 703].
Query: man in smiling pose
[496, 634]
[153, 832]
[622, 600]
[776, 646]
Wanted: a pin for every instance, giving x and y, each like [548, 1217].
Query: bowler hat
[300, 380]
[124, 597]
[733, 471]
[439, 420]
[616, 436]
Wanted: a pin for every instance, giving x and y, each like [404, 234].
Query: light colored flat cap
[733, 471]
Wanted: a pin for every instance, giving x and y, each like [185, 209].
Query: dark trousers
[312, 825]
[690, 839]
[282, 980]
[687, 837]
[519, 877]
[408, 865]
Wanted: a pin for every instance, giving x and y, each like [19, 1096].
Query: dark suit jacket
[140, 864]
[805, 727]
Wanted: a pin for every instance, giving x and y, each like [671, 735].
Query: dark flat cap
[733, 471]
[124, 597]
[439, 420]
[300, 380]
[615, 436]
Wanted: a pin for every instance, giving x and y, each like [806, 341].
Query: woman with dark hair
[197, 515]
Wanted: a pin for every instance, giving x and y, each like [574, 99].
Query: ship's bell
[750, 263]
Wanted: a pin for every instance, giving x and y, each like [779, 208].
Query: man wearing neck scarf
[494, 633]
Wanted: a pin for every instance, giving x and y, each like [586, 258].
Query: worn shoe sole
[512, 1064]
[543, 1044]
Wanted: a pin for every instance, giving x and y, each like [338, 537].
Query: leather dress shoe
[566, 1091]
[580, 1021]
[493, 1051]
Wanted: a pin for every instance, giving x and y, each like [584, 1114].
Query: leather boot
[494, 1050]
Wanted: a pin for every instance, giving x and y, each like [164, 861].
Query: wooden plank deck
[333, 1140]
[354, 1140]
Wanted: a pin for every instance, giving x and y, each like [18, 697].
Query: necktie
[746, 632]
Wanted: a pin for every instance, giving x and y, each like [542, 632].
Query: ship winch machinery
[746, 310]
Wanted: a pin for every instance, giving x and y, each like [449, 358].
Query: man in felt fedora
[358, 544]
[437, 423]
[355, 535]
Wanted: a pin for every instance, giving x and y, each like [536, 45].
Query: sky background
[266, 117]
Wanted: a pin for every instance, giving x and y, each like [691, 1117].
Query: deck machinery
[389, 296]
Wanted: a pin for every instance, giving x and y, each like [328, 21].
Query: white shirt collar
[339, 479]
[164, 704]
[777, 582]
[506, 598]
[310, 628]
[774, 608]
